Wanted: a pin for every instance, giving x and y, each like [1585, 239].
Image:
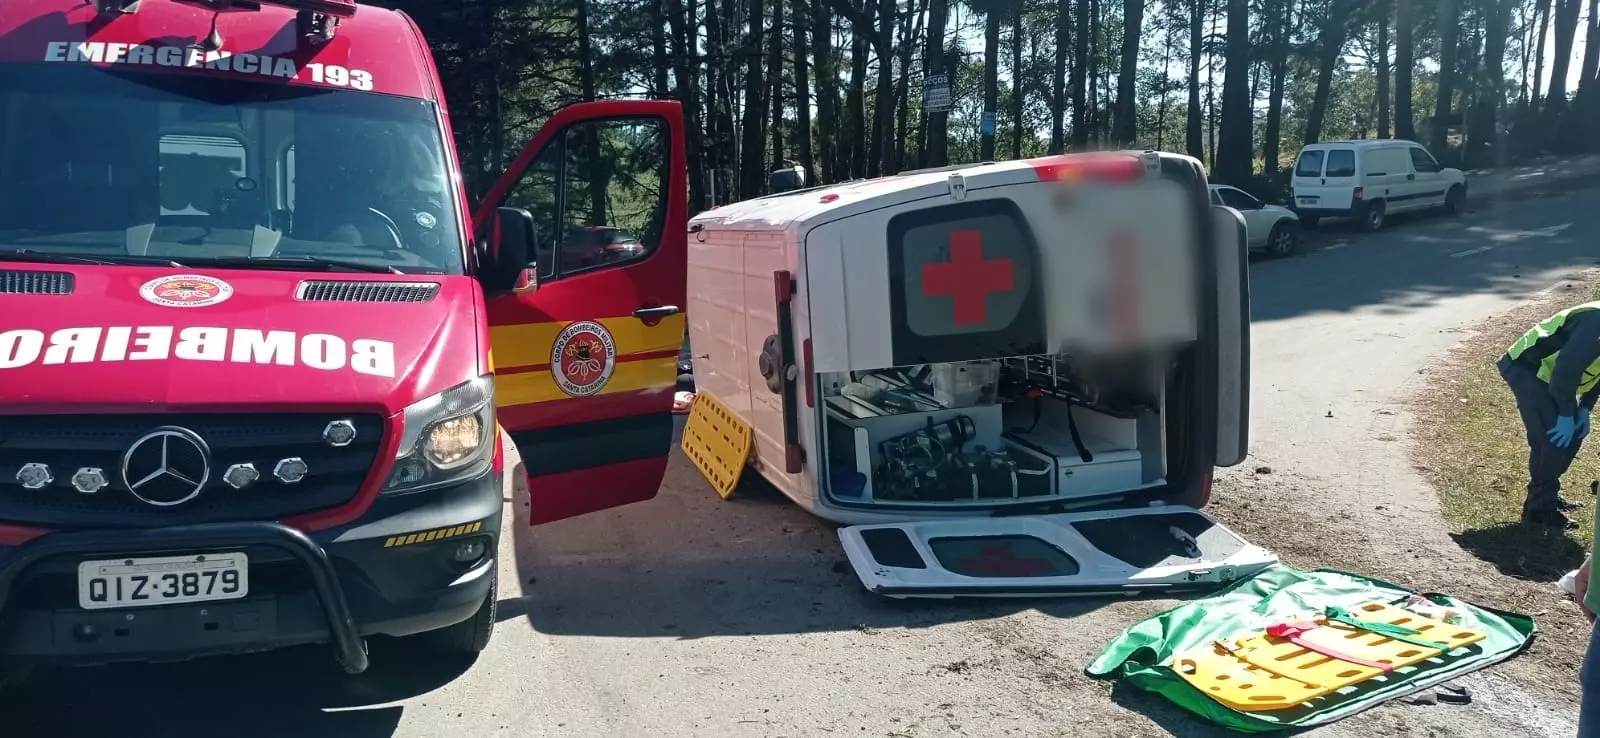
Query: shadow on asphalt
[293, 692]
[1523, 551]
[690, 565]
[1409, 264]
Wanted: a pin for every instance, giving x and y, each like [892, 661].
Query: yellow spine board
[1248, 679]
[718, 442]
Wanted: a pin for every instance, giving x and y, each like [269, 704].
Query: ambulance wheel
[1454, 199]
[1283, 241]
[1372, 217]
[471, 636]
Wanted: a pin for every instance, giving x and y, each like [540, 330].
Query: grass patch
[1473, 447]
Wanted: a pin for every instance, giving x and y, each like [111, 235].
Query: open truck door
[586, 350]
[1106, 550]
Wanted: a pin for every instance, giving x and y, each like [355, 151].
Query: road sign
[986, 124]
[936, 93]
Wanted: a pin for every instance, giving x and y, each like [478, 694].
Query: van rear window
[1341, 163]
[1310, 164]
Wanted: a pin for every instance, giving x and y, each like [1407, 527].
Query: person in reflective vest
[1554, 372]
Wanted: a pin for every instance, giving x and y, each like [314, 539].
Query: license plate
[167, 580]
[1308, 200]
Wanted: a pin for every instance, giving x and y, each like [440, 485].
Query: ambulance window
[961, 281]
[597, 194]
[1310, 164]
[197, 169]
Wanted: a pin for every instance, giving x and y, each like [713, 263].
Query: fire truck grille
[18, 282]
[65, 444]
[331, 291]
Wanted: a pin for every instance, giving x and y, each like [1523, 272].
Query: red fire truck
[242, 408]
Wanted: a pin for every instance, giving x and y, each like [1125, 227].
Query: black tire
[1455, 199]
[1309, 221]
[471, 636]
[1283, 241]
[1372, 217]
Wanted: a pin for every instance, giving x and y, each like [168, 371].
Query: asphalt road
[688, 615]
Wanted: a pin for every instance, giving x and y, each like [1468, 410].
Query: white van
[1371, 179]
[1012, 378]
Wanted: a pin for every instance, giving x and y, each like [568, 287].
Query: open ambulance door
[585, 350]
[1098, 552]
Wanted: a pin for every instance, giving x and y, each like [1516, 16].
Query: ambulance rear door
[586, 354]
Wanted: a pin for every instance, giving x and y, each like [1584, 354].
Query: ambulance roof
[811, 207]
[375, 49]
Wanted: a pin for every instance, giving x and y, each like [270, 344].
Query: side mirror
[509, 251]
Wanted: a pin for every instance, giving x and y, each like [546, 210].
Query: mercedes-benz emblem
[167, 466]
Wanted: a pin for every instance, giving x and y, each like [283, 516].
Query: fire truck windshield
[124, 167]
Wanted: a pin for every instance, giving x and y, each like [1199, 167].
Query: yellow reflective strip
[526, 344]
[410, 539]
[477, 527]
[531, 387]
[389, 543]
[430, 535]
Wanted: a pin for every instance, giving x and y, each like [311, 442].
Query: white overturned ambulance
[1007, 379]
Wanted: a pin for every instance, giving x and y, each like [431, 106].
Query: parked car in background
[593, 245]
[1370, 179]
[1271, 229]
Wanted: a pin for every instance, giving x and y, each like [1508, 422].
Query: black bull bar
[348, 646]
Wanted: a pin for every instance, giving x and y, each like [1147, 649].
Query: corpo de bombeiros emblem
[583, 358]
[186, 290]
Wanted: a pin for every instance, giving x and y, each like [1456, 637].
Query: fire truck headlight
[448, 438]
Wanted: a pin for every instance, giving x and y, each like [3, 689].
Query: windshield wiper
[295, 262]
[48, 257]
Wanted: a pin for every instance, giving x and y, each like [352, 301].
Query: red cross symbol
[967, 277]
[998, 561]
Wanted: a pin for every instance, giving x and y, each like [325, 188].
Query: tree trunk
[1017, 82]
[1058, 88]
[1535, 88]
[1081, 66]
[1449, 23]
[1125, 126]
[1383, 68]
[752, 179]
[1235, 149]
[775, 77]
[686, 60]
[658, 47]
[802, 91]
[1591, 51]
[1275, 87]
[991, 80]
[933, 61]
[1329, 42]
[1404, 66]
[883, 102]
[908, 38]
[591, 142]
[1097, 112]
[855, 98]
[712, 146]
[1195, 141]
[827, 92]
[1481, 138]
[1566, 22]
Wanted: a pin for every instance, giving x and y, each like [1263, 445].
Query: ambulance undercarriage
[1006, 379]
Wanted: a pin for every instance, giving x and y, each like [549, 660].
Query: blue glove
[1561, 435]
[1583, 423]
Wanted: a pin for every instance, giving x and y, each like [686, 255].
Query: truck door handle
[1411, 176]
[656, 313]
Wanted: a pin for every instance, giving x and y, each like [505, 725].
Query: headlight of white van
[448, 437]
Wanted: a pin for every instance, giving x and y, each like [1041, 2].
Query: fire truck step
[718, 442]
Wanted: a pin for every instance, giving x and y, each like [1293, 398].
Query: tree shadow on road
[1421, 259]
[291, 692]
[1523, 551]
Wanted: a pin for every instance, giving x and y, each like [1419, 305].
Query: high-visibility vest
[1542, 344]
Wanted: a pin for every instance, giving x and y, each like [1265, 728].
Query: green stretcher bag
[1138, 655]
